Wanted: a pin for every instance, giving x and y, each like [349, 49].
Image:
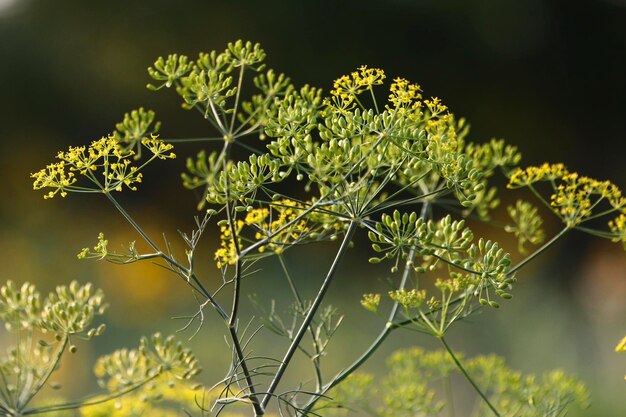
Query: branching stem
[44, 378]
[189, 275]
[466, 375]
[381, 336]
[538, 251]
[309, 316]
[86, 403]
[316, 347]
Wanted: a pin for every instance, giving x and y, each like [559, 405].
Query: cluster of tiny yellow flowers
[572, 199]
[99, 251]
[408, 299]
[267, 222]
[435, 106]
[442, 142]
[526, 224]
[618, 227]
[530, 175]
[346, 88]
[107, 156]
[404, 94]
[54, 176]
[227, 252]
[575, 196]
[370, 302]
[158, 148]
[443, 126]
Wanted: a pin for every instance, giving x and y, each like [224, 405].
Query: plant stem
[188, 275]
[309, 316]
[316, 347]
[466, 375]
[448, 388]
[313, 206]
[258, 408]
[381, 336]
[232, 320]
[511, 271]
[238, 94]
[538, 251]
[78, 404]
[44, 378]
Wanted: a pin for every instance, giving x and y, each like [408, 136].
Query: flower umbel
[106, 165]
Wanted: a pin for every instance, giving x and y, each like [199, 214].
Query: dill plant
[373, 157]
[47, 329]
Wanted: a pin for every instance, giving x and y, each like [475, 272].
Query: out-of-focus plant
[325, 168]
[413, 387]
[46, 329]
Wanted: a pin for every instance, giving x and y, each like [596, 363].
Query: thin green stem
[6, 400]
[21, 403]
[187, 275]
[232, 320]
[237, 95]
[543, 200]
[218, 120]
[538, 251]
[381, 336]
[310, 314]
[86, 403]
[316, 358]
[447, 386]
[601, 214]
[313, 206]
[397, 203]
[599, 233]
[192, 140]
[374, 99]
[466, 375]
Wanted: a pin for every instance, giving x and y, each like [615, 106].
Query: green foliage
[418, 384]
[526, 224]
[68, 314]
[136, 127]
[400, 168]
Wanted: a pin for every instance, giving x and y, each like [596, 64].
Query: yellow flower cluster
[572, 199]
[263, 222]
[99, 251]
[267, 222]
[158, 148]
[227, 252]
[404, 94]
[107, 156]
[54, 176]
[370, 302]
[408, 299]
[347, 87]
[575, 196]
[618, 227]
[435, 106]
[526, 224]
[443, 146]
[530, 175]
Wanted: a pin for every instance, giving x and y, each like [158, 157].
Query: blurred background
[548, 76]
